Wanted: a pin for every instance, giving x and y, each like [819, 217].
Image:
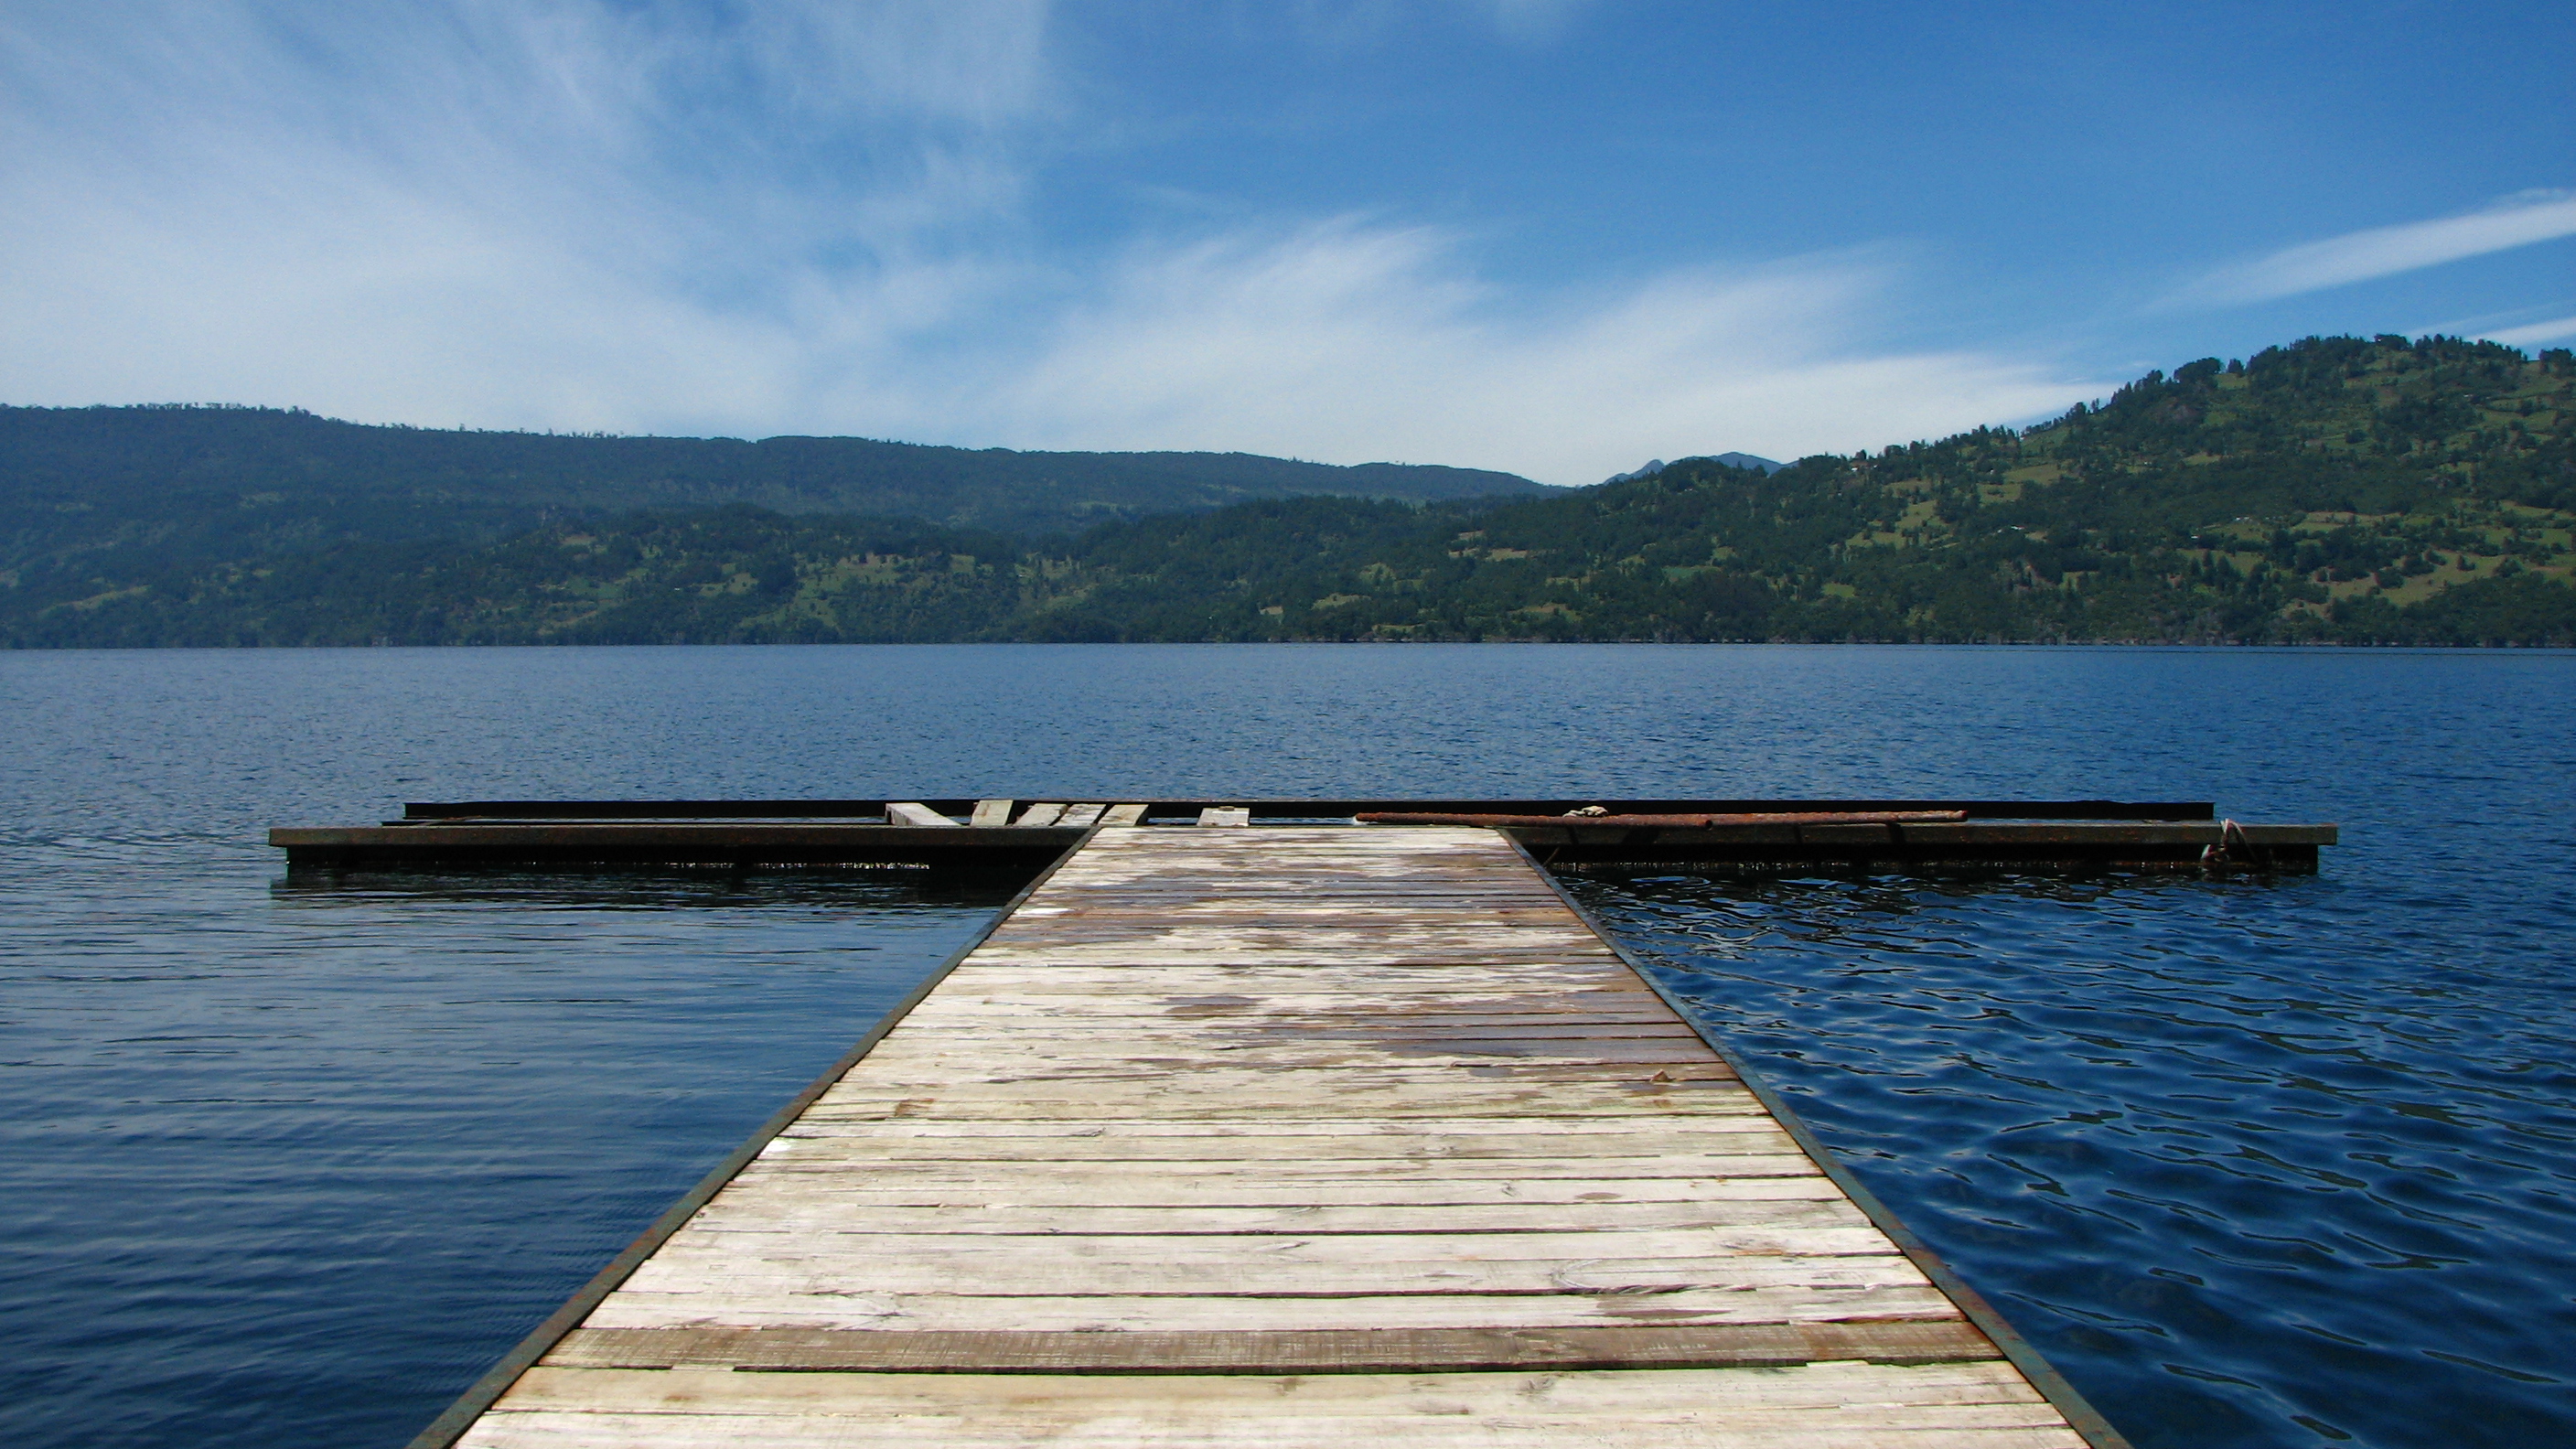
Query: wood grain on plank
[1804, 1294]
[828, 1214]
[1931, 1406]
[912, 812]
[1307, 1351]
[1113, 1128]
[1700, 1141]
[1261, 1187]
[1368, 1108]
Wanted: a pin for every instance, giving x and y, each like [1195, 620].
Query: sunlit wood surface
[1282, 1136]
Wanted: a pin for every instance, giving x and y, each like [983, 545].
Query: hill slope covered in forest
[2336, 490]
[114, 493]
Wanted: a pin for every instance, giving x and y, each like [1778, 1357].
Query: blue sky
[1551, 236]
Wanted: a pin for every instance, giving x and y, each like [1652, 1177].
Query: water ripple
[2257, 1165]
[2246, 1178]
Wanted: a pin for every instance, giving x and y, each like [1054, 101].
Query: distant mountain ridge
[1731, 460]
[2340, 489]
[122, 489]
[1748, 460]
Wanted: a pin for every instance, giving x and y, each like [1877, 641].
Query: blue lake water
[2255, 1164]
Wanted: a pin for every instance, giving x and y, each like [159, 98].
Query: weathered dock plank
[1891, 1407]
[1279, 1136]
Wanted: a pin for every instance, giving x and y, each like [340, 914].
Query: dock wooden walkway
[1281, 1136]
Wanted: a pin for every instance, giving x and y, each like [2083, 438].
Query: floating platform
[1985, 836]
[1279, 1136]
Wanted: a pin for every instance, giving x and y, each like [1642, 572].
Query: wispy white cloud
[1350, 341]
[549, 213]
[818, 217]
[2526, 335]
[2520, 220]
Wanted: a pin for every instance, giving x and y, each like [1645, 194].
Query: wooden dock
[1748, 837]
[1280, 1136]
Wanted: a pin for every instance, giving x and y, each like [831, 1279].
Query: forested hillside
[2336, 490]
[115, 494]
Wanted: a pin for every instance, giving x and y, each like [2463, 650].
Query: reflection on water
[2212, 1154]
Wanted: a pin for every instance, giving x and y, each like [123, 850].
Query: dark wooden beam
[1293, 809]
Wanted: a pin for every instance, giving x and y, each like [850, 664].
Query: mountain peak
[1748, 460]
[1650, 470]
[1732, 460]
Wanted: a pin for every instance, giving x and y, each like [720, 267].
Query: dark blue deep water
[2255, 1164]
